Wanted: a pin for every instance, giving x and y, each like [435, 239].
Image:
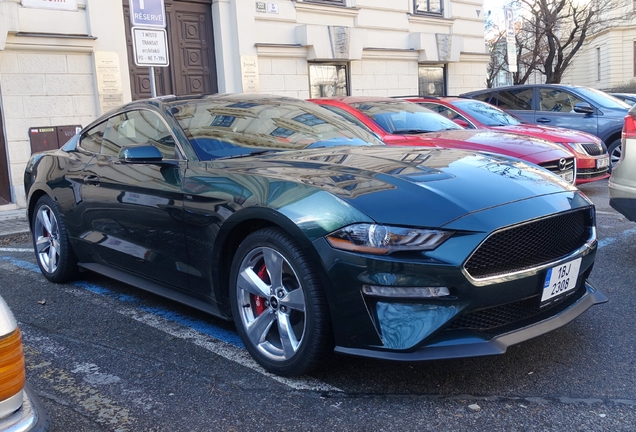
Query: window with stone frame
[428, 7]
[432, 80]
[328, 79]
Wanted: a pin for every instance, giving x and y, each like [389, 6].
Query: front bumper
[473, 347]
[459, 310]
[30, 417]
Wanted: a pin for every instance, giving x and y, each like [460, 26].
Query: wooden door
[192, 67]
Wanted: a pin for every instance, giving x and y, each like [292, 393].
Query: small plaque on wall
[68, 5]
[249, 72]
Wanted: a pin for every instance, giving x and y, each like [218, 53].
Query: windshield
[486, 114]
[404, 117]
[601, 98]
[240, 125]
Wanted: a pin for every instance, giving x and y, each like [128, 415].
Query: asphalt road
[103, 356]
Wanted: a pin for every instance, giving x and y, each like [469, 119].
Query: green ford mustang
[311, 234]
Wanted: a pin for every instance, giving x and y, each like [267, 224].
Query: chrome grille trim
[589, 246]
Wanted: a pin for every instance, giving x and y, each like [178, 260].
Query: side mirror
[144, 154]
[583, 108]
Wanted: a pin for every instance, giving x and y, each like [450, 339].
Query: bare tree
[498, 58]
[549, 33]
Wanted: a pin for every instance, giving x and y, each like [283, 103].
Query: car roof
[163, 102]
[494, 89]
[358, 99]
[436, 98]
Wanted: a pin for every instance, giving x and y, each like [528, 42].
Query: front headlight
[578, 148]
[382, 239]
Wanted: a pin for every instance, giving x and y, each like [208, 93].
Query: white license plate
[561, 279]
[567, 176]
[602, 163]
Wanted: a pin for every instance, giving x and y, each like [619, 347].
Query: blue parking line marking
[609, 240]
[211, 330]
[22, 264]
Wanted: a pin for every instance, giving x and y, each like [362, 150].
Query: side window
[347, 116]
[447, 112]
[517, 99]
[136, 128]
[91, 140]
[484, 97]
[555, 100]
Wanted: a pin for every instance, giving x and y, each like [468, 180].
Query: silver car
[20, 408]
[622, 183]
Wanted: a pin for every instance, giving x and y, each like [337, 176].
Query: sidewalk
[13, 222]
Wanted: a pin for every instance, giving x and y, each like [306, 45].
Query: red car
[592, 159]
[398, 122]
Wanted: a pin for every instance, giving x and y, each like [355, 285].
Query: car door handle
[92, 179]
[543, 120]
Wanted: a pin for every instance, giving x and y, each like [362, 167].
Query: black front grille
[556, 167]
[593, 149]
[588, 173]
[530, 244]
[500, 319]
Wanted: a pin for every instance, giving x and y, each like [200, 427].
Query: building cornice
[349, 12]
[426, 19]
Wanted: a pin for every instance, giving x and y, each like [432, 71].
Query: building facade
[607, 59]
[64, 62]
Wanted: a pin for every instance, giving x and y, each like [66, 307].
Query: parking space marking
[217, 340]
[3, 249]
[609, 240]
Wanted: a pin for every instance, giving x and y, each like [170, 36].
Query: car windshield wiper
[241, 155]
[410, 131]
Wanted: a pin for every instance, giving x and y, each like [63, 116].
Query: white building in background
[65, 62]
[607, 59]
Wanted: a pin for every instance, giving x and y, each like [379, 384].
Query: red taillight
[629, 127]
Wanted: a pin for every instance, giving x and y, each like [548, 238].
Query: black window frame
[428, 8]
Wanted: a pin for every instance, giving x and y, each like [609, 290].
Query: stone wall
[42, 89]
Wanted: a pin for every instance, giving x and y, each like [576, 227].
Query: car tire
[614, 150]
[53, 251]
[279, 305]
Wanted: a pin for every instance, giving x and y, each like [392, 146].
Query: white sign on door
[150, 47]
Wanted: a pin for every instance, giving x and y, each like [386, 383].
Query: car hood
[530, 148]
[554, 134]
[393, 185]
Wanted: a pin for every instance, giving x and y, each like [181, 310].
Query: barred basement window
[428, 7]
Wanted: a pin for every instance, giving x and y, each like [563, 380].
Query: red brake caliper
[259, 302]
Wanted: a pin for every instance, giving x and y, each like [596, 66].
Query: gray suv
[561, 105]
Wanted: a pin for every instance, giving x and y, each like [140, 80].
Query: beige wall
[47, 78]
